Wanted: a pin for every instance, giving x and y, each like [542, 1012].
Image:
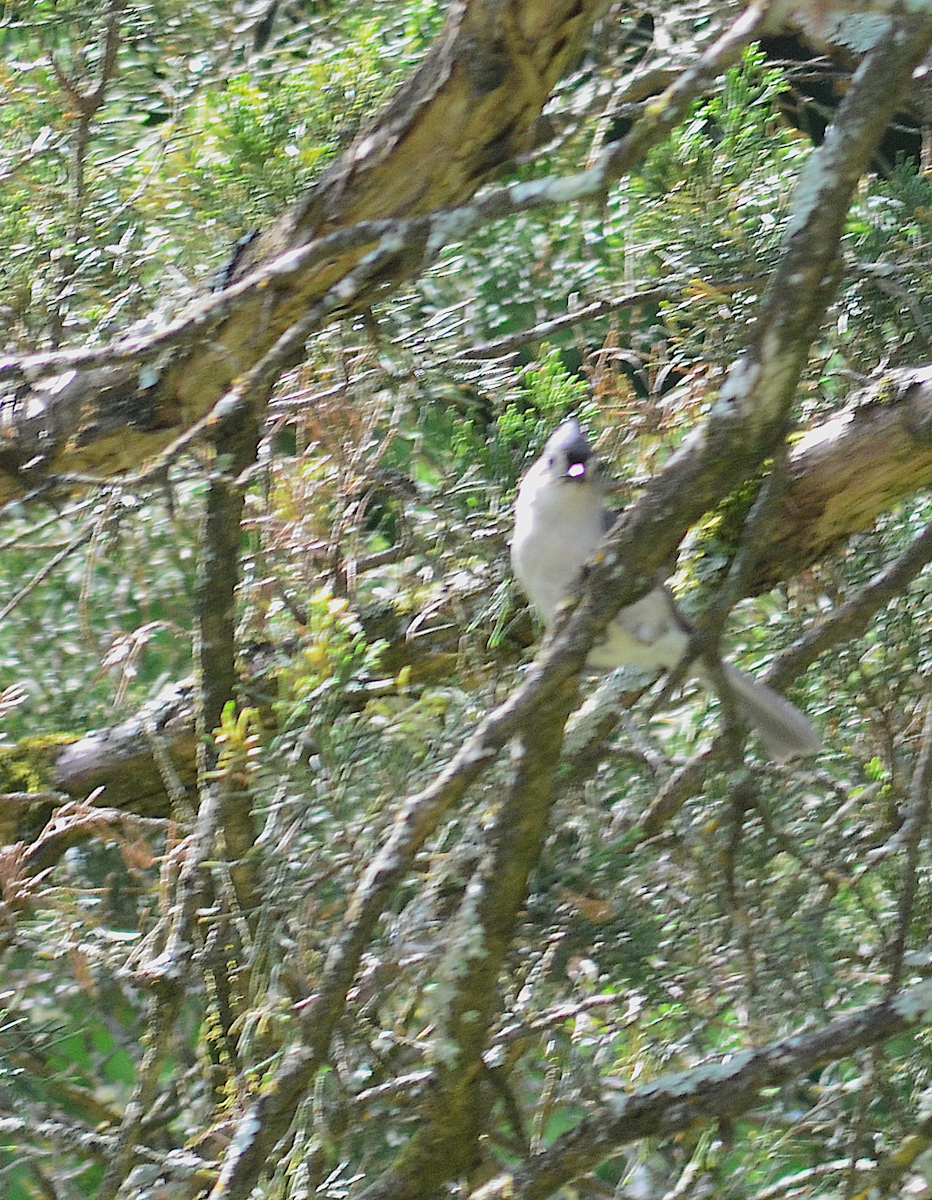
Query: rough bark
[721, 1090]
[235, 445]
[466, 111]
[874, 454]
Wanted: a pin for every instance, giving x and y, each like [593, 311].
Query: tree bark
[874, 454]
[463, 113]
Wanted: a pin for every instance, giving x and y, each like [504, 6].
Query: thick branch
[843, 474]
[446, 1142]
[107, 418]
[712, 1091]
[462, 114]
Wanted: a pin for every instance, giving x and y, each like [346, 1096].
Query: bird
[560, 519]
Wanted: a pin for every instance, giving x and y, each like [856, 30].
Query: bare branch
[850, 619]
[712, 1091]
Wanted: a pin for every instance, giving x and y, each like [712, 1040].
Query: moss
[716, 541]
[29, 765]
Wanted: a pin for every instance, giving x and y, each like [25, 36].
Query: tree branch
[455, 1112]
[843, 474]
[719, 1090]
[463, 113]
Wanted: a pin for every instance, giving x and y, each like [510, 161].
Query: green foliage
[198, 141]
[548, 394]
[716, 154]
[709, 208]
[261, 141]
[109, 623]
[336, 657]
[375, 578]
[885, 311]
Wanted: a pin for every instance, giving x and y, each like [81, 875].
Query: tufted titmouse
[560, 519]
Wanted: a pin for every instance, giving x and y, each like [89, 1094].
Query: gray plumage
[560, 519]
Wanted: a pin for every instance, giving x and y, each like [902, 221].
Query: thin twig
[914, 827]
[43, 573]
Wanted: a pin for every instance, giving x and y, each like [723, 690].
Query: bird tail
[784, 730]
